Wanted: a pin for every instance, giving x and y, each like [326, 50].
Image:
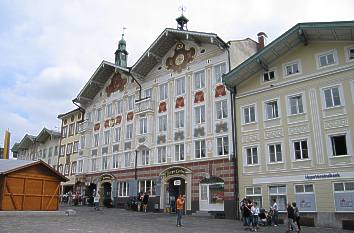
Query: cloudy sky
[49, 49]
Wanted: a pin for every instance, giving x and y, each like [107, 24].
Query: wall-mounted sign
[177, 182]
[107, 177]
[175, 171]
[322, 176]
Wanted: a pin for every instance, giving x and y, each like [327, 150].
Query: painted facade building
[44, 146]
[69, 146]
[163, 126]
[294, 103]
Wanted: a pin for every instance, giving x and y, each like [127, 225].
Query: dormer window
[292, 68]
[268, 76]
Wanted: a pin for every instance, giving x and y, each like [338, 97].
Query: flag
[6, 145]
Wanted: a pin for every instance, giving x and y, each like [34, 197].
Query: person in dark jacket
[145, 201]
[291, 218]
[297, 216]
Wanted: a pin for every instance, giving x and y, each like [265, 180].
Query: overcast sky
[49, 49]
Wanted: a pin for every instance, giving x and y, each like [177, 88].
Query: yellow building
[69, 146]
[294, 111]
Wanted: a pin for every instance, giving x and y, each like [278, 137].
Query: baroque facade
[164, 125]
[294, 103]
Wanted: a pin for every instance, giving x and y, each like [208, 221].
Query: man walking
[180, 207]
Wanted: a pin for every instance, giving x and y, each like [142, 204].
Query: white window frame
[105, 162]
[224, 139]
[347, 141]
[80, 166]
[98, 115]
[326, 53]
[218, 72]
[148, 93]
[117, 134]
[109, 110]
[199, 114]
[344, 191]
[179, 119]
[291, 63]
[161, 154]
[131, 102]
[254, 194]
[129, 132]
[143, 122]
[163, 91]
[162, 123]
[245, 152]
[275, 144]
[152, 182]
[347, 53]
[273, 111]
[200, 149]
[179, 152]
[123, 189]
[279, 194]
[127, 159]
[145, 157]
[341, 97]
[288, 97]
[180, 86]
[293, 157]
[106, 137]
[115, 161]
[263, 81]
[83, 141]
[199, 80]
[243, 108]
[119, 106]
[221, 107]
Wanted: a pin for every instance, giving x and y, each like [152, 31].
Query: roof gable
[45, 134]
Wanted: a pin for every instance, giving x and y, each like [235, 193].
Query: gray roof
[11, 164]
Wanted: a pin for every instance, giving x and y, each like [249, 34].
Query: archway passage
[107, 189]
[90, 192]
[176, 186]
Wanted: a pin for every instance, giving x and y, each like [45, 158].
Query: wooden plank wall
[32, 188]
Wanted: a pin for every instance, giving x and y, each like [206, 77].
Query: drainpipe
[137, 83]
[234, 141]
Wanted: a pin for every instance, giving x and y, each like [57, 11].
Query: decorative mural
[220, 91]
[117, 84]
[127, 145]
[199, 132]
[161, 139]
[118, 119]
[199, 97]
[180, 59]
[221, 127]
[180, 102]
[96, 127]
[106, 123]
[162, 107]
[130, 116]
[179, 135]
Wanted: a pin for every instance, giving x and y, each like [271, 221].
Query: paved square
[125, 221]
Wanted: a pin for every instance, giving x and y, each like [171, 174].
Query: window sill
[339, 156]
[334, 107]
[250, 123]
[252, 165]
[301, 160]
[275, 163]
[272, 119]
[297, 114]
[291, 75]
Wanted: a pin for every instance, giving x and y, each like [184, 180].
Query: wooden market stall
[29, 185]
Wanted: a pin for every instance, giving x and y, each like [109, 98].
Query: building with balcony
[69, 147]
[164, 125]
[294, 108]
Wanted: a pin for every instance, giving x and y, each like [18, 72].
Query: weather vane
[123, 30]
[182, 9]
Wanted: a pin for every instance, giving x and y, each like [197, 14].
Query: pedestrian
[297, 216]
[96, 201]
[291, 218]
[248, 214]
[180, 207]
[255, 213]
[242, 210]
[274, 209]
[145, 201]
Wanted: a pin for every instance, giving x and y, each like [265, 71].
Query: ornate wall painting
[181, 58]
[117, 84]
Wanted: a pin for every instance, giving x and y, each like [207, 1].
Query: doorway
[107, 190]
[176, 186]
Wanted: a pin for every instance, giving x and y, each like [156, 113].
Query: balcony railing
[144, 106]
[85, 126]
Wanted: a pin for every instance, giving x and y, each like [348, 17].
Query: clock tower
[121, 53]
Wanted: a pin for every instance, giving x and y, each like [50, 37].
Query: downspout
[137, 83]
[234, 141]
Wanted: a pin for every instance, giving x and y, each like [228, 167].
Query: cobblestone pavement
[125, 221]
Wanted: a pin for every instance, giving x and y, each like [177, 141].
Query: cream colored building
[295, 122]
[69, 146]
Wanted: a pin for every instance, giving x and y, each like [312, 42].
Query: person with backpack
[291, 219]
[297, 216]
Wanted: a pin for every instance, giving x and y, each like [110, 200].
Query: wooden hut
[29, 185]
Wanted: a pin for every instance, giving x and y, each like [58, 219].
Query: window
[127, 159]
[179, 152]
[279, 194]
[143, 125]
[295, 104]
[77, 127]
[71, 129]
[180, 86]
[67, 169]
[56, 151]
[199, 80]
[148, 186]
[129, 133]
[221, 109]
[249, 114]
[291, 68]
[131, 102]
[80, 166]
[272, 109]
[119, 106]
[161, 155]
[255, 195]
[179, 119]
[163, 123]
[145, 158]
[104, 162]
[98, 114]
[117, 134]
[275, 153]
[60, 168]
[148, 93]
[222, 145]
[82, 142]
[96, 139]
[76, 147]
[351, 54]
[94, 164]
[339, 145]
[163, 91]
[199, 114]
[252, 155]
[44, 153]
[106, 137]
[344, 196]
[200, 149]
[50, 152]
[64, 131]
[219, 70]
[62, 150]
[109, 110]
[115, 161]
[301, 149]
[123, 189]
[332, 97]
[326, 59]
[73, 168]
[268, 76]
[69, 148]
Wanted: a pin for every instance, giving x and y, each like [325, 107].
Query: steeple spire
[182, 20]
[121, 53]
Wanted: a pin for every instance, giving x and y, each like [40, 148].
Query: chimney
[261, 40]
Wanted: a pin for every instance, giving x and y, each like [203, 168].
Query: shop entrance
[107, 189]
[176, 186]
